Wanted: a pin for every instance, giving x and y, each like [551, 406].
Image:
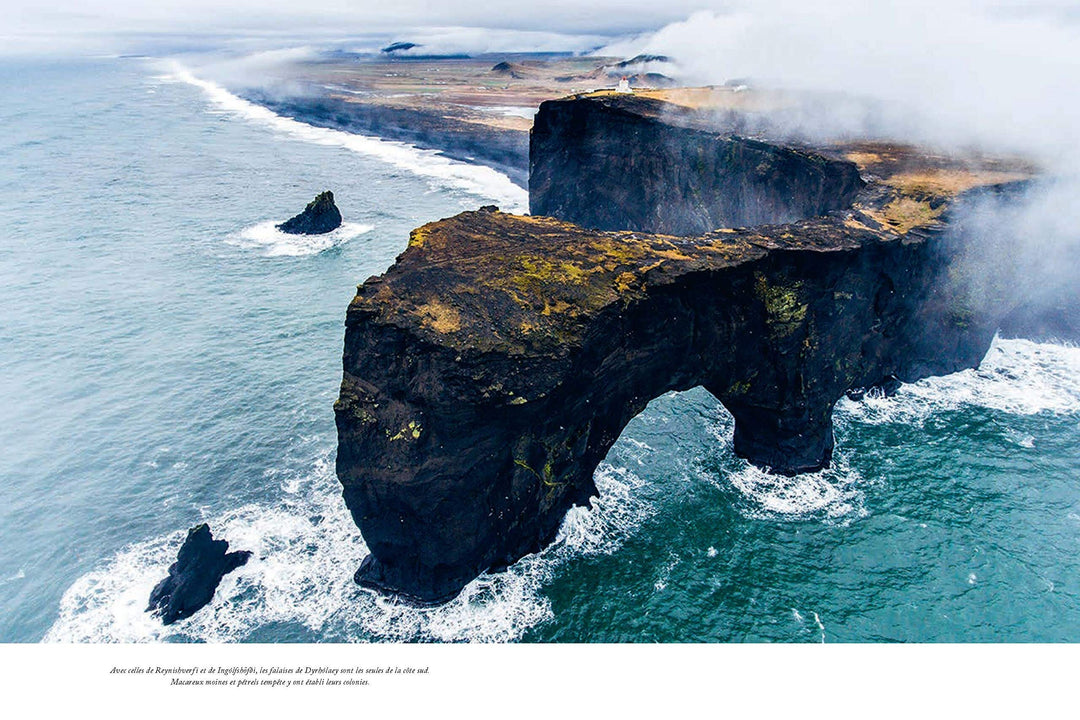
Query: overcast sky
[566, 16]
[57, 24]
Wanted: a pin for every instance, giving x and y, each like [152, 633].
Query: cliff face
[613, 162]
[488, 372]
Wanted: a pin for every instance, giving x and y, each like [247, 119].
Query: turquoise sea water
[167, 358]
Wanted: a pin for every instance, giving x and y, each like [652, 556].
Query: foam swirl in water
[304, 552]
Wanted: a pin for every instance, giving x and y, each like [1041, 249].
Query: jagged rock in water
[489, 371]
[320, 216]
[194, 577]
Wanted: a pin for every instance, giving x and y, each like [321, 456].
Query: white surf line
[441, 171]
[1017, 377]
[274, 243]
[303, 551]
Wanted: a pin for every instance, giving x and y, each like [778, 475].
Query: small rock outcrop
[320, 216]
[507, 69]
[194, 577]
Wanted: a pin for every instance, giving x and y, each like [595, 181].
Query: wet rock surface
[200, 565]
[320, 216]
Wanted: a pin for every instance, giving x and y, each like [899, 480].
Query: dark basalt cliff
[613, 162]
[488, 372]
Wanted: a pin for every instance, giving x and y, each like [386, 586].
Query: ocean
[168, 358]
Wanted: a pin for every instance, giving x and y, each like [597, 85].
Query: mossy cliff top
[491, 281]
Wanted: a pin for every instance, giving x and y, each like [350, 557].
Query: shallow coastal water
[168, 358]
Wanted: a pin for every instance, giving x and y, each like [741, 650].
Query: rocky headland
[488, 372]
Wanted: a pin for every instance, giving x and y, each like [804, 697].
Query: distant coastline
[472, 109]
[504, 150]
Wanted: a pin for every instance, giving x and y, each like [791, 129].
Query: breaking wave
[304, 552]
[835, 493]
[1018, 377]
[440, 171]
[272, 242]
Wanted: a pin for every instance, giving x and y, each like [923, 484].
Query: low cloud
[949, 71]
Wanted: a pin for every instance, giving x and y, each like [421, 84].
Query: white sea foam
[440, 171]
[305, 550]
[1019, 377]
[614, 516]
[272, 242]
[831, 494]
[662, 578]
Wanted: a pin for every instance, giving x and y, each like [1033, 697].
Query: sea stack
[194, 577]
[320, 216]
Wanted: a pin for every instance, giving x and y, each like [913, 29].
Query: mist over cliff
[956, 75]
[950, 72]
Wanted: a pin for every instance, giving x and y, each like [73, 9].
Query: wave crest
[272, 242]
[304, 552]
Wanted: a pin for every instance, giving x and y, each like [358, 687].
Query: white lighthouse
[623, 86]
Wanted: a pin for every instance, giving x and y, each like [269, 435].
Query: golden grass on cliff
[950, 181]
[439, 316]
[719, 98]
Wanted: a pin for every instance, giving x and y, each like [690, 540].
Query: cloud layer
[950, 71]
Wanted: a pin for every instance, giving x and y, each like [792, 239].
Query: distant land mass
[477, 109]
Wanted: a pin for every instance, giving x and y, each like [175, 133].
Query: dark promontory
[488, 372]
[320, 216]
